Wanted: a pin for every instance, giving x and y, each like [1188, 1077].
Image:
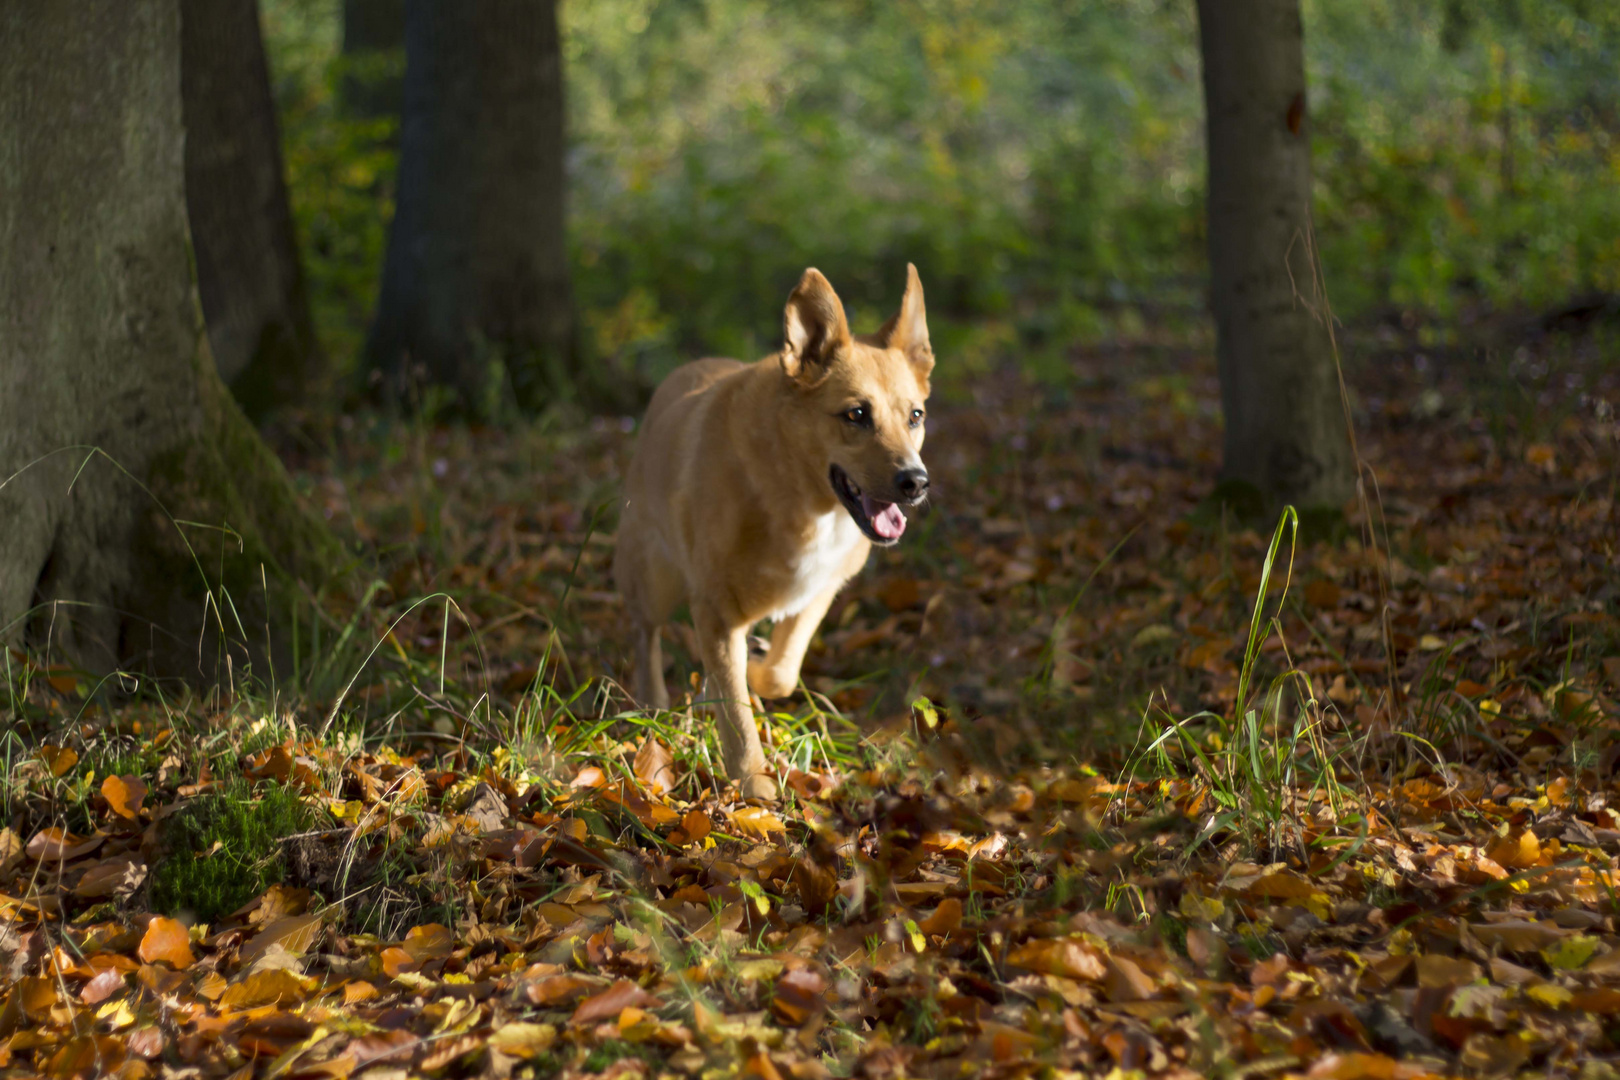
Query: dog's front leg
[725, 660]
[777, 674]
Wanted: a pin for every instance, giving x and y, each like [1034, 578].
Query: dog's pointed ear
[814, 328]
[908, 329]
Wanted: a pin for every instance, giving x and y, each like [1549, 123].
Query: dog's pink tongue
[887, 520]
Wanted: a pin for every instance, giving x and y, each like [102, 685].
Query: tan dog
[757, 490]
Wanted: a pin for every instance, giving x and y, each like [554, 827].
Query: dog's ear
[815, 330]
[908, 329]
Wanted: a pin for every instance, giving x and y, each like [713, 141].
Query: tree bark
[176, 544]
[241, 225]
[374, 56]
[475, 291]
[1285, 425]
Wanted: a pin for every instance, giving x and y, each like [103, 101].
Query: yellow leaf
[269, 987]
[1572, 953]
[1550, 994]
[523, 1040]
[757, 821]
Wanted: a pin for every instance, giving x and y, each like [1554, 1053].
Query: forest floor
[1059, 797]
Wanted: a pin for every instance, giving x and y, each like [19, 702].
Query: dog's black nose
[911, 483]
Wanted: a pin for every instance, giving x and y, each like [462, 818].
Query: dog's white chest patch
[817, 566]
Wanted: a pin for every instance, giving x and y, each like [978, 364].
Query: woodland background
[1100, 772]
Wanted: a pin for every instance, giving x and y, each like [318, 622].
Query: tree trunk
[475, 291]
[373, 56]
[174, 546]
[1286, 439]
[241, 226]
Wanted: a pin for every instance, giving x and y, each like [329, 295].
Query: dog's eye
[857, 415]
[916, 417]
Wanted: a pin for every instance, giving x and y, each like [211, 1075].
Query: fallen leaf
[523, 1040]
[1061, 956]
[799, 996]
[124, 794]
[756, 821]
[611, 1002]
[655, 765]
[167, 942]
[273, 987]
[429, 941]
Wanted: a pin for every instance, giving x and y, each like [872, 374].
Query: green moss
[223, 849]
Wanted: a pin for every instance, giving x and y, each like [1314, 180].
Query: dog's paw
[759, 787]
[767, 683]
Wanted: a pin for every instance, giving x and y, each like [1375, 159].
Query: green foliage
[1042, 163]
[223, 849]
[340, 169]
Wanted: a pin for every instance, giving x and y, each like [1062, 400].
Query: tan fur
[729, 506]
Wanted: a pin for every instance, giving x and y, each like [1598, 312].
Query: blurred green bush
[1041, 162]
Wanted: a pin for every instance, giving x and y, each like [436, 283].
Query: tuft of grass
[224, 849]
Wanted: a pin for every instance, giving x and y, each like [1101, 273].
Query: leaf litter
[1089, 779]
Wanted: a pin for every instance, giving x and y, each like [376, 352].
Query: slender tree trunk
[374, 56]
[241, 225]
[1285, 430]
[477, 268]
[183, 525]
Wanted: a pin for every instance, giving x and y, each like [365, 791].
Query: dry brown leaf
[295, 933]
[1438, 972]
[800, 995]
[53, 844]
[1125, 981]
[611, 1002]
[1060, 956]
[271, 987]
[655, 765]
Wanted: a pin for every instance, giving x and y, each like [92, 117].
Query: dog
[757, 490]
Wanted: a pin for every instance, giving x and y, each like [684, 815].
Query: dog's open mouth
[882, 522]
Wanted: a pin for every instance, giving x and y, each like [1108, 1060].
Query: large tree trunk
[1285, 426]
[373, 56]
[477, 268]
[184, 526]
[241, 226]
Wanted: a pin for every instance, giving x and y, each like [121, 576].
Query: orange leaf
[946, 918]
[395, 960]
[429, 941]
[124, 794]
[59, 759]
[1515, 852]
[168, 942]
[693, 828]
[590, 777]
[356, 992]
[555, 989]
[611, 1002]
